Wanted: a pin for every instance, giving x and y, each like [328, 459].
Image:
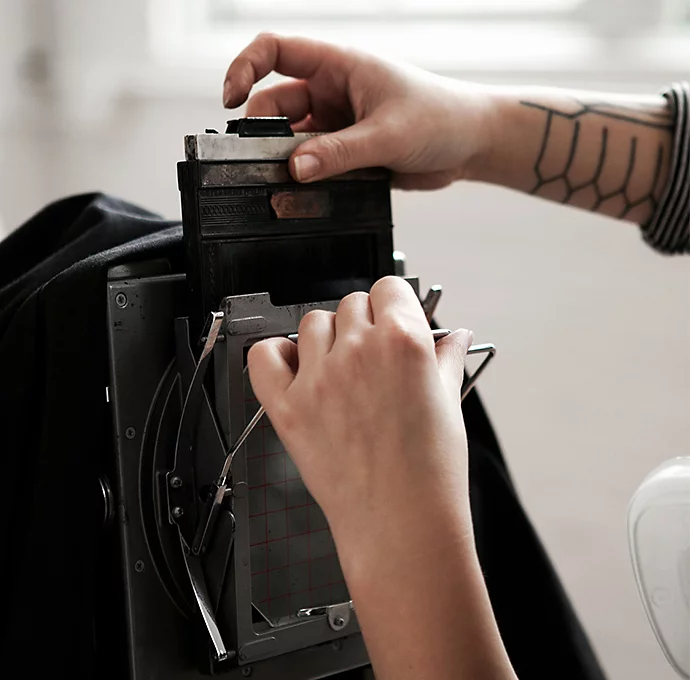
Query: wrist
[413, 583]
[371, 538]
[513, 137]
[492, 113]
[495, 114]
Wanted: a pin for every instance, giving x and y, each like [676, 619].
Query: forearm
[420, 596]
[602, 152]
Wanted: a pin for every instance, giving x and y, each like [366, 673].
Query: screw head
[175, 482]
[121, 300]
[239, 490]
[139, 566]
[130, 433]
[338, 621]
[177, 512]
[247, 671]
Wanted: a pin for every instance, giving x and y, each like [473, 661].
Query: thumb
[363, 145]
[272, 365]
[451, 352]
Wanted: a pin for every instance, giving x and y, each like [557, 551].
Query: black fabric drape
[56, 440]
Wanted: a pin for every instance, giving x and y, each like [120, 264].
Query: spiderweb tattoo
[589, 185]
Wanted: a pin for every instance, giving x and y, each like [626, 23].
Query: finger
[451, 352]
[324, 123]
[272, 365]
[354, 313]
[306, 125]
[362, 145]
[393, 300]
[289, 99]
[294, 57]
[316, 338]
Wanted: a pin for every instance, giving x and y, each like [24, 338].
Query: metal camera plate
[284, 558]
[162, 627]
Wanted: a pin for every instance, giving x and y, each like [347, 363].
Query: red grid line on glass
[284, 481]
[276, 597]
[330, 579]
[287, 534]
[272, 512]
[310, 590]
[269, 455]
[310, 601]
[282, 538]
[268, 584]
[272, 453]
[292, 564]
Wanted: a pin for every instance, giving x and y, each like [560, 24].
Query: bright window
[293, 9]
[637, 13]
[474, 36]
[101, 49]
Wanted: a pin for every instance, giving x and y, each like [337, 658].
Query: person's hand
[367, 406]
[605, 152]
[369, 409]
[429, 131]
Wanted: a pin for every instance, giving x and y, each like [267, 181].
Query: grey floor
[591, 387]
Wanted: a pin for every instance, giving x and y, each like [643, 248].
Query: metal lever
[205, 528]
[196, 577]
[338, 615]
[487, 348]
[184, 448]
[490, 351]
[431, 301]
[186, 438]
[203, 533]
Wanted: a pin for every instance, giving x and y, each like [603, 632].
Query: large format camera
[229, 564]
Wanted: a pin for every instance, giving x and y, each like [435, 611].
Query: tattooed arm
[623, 156]
[609, 154]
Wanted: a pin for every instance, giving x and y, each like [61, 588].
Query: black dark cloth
[56, 440]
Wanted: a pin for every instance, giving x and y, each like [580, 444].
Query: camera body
[250, 228]
[229, 564]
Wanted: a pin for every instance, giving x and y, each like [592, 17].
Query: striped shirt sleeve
[668, 231]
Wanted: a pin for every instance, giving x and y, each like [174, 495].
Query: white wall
[591, 387]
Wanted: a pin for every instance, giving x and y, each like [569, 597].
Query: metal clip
[184, 452]
[338, 615]
[431, 301]
[205, 528]
[186, 440]
[490, 351]
[196, 578]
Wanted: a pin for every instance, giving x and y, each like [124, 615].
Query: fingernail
[306, 167]
[226, 93]
[466, 336]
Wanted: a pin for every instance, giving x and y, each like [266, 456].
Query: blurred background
[591, 389]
